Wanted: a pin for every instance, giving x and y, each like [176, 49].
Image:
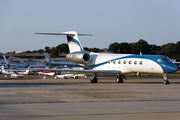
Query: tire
[119, 80]
[95, 80]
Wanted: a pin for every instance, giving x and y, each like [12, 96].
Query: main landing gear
[166, 81]
[120, 79]
[94, 78]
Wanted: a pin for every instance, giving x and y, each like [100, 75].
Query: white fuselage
[123, 63]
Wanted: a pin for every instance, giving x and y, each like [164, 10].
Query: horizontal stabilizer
[68, 34]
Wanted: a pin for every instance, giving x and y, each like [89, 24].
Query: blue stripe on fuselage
[149, 57]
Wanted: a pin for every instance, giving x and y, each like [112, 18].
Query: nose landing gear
[166, 81]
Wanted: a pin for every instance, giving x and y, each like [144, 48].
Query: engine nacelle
[79, 57]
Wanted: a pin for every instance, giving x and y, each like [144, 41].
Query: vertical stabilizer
[27, 62]
[73, 41]
[5, 60]
[48, 58]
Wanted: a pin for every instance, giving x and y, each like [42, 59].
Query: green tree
[47, 49]
[28, 51]
[141, 46]
[167, 50]
[94, 49]
[176, 52]
[154, 49]
[125, 48]
[64, 48]
[40, 51]
[86, 49]
[34, 51]
[114, 47]
[54, 52]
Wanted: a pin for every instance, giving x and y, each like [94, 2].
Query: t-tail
[72, 38]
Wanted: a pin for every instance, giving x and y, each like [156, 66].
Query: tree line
[171, 50]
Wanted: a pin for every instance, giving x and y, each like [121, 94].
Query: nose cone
[169, 68]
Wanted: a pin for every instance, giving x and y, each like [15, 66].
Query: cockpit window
[162, 60]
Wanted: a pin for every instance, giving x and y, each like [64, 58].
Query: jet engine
[79, 57]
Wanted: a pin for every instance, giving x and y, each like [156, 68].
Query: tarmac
[139, 97]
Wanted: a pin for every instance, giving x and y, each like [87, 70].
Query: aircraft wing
[73, 70]
[15, 70]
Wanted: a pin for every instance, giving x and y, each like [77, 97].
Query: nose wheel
[166, 81]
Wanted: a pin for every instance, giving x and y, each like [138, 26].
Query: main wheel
[95, 80]
[119, 80]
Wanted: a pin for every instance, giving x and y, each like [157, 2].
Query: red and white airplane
[46, 73]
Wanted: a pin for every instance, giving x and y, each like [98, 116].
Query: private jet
[120, 64]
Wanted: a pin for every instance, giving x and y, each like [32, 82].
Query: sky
[156, 21]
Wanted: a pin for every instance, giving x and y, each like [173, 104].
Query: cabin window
[140, 62]
[135, 62]
[109, 61]
[119, 62]
[124, 62]
[114, 62]
[130, 62]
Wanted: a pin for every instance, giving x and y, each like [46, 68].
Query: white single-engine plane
[113, 63]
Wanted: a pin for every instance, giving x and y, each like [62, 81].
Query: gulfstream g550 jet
[113, 63]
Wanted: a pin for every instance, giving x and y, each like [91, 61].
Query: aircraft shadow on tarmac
[151, 83]
[51, 84]
[32, 84]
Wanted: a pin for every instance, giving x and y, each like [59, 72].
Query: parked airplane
[113, 63]
[62, 75]
[69, 75]
[51, 63]
[46, 73]
[14, 73]
[21, 65]
[70, 65]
